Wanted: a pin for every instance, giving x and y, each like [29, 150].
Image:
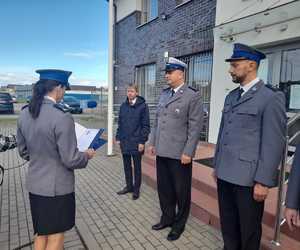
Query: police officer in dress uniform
[249, 149]
[292, 211]
[174, 140]
[46, 137]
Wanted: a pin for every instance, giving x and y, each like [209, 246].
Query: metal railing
[292, 139]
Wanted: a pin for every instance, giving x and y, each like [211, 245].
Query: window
[282, 69]
[149, 10]
[198, 76]
[180, 2]
[145, 78]
[290, 65]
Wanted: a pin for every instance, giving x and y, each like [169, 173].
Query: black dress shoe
[174, 235]
[124, 191]
[160, 226]
[135, 196]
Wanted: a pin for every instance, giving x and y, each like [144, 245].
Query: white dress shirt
[249, 85]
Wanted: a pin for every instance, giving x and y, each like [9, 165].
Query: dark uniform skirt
[51, 215]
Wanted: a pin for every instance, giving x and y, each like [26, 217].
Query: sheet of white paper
[79, 130]
[84, 136]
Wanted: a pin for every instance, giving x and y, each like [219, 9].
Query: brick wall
[188, 29]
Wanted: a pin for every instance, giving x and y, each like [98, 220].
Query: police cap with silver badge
[61, 76]
[175, 64]
[245, 52]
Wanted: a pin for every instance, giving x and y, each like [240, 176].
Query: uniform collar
[176, 89]
[49, 98]
[249, 85]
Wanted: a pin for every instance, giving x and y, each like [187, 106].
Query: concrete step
[204, 199]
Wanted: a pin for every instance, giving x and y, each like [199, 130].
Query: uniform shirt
[176, 89]
[249, 85]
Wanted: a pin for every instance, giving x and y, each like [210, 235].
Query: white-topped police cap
[175, 64]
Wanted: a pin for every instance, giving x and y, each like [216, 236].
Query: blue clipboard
[98, 141]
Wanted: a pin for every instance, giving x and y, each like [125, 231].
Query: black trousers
[137, 162]
[174, 189]
[240, 216]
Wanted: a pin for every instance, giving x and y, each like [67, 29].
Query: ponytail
[40, 89]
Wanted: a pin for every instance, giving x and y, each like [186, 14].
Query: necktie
[241, 91]
[173, 92]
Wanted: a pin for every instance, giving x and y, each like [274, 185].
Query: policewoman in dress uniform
[46, 137]
[249, 149]
[292, 211]
[174, 139]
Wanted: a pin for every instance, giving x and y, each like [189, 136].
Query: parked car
[28, 98]
[6, 103]
[14, 98]
[72, 104]
[91, 104]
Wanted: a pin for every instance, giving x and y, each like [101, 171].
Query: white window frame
[144, 80]
[147, 12]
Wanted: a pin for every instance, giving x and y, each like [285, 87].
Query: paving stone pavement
[104, 220]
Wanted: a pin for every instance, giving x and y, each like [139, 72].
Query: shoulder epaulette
[271, 87]
[192, 88]
[24, 107]
[61, 107]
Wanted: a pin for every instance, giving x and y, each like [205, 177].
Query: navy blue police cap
[245, 52]
[175, 64]
[61, 76]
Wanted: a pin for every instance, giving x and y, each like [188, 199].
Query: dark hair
[40, 89]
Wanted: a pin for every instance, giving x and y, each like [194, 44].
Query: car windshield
[70, 99]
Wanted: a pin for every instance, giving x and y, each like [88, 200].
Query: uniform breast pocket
[178, 112]
[248, 117]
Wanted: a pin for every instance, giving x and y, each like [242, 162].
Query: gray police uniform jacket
[293, 191]
[49, 143]
[251, 137]
[178, 123]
